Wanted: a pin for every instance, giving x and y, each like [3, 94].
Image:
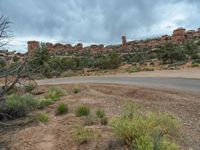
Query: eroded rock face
[32, 46]
[178, 35]
[79, 47]
[189, 34]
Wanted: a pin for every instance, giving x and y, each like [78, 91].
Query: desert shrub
[44, 102]
[195, 65]
[68, 73]
[109, 61]
[76, 89]
[131, 109]
[82, 111]
[83, 135]
[55, 93]
[100, 113]
[170, 53]
[62, 109]
[147, 131]
[148, 69]
[2, 62]
[104, 120]
[42, 117]
[133, 69]
[18, 106]
[29, 87]
[39, 62]
[196, 61]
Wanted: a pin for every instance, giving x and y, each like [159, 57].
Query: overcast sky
[96, 21]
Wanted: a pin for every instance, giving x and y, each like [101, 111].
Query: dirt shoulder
[193, 73]
[58, 133]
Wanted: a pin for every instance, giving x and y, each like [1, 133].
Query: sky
[96, 21]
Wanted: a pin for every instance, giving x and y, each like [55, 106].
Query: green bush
[195, 65]
[76, 89]
[29, 87]
[82, 111]
[18, 106]
[104, 120]
[62, 109]
[55, 93]
[196, 61]
[100, 113]
[42, 117]
[110, 61]
[170, 53]
[145, 132]
[44, 102]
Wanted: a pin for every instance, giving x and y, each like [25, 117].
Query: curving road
[190, 86]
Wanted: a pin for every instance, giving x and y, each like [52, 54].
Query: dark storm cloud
[97, 21]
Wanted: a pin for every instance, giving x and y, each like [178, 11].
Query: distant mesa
[179, 36]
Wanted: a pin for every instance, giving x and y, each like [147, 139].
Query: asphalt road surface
[190, 86]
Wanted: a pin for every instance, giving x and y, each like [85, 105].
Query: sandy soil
[182, 73]
[58, 133]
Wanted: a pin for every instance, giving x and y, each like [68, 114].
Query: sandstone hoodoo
[123, 41]
[32, 46]
[179, 36]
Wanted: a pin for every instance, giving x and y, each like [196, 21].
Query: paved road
[191, 86]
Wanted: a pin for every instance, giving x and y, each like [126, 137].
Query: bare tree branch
[4, 31]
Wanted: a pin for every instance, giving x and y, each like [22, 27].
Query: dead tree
[11, 76]
[4, 31]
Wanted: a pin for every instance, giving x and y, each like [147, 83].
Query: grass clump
[148, 68]
[82, 111]
[133, 69]
[152, 131]
[17, 106]
[42, 117]
[55, 93]
[83, 135]
[100, 113]
[29, 87]
[76, 89]
[44, 102]
[62, 109]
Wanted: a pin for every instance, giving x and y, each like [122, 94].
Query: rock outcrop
[179, 35]
[32, 46]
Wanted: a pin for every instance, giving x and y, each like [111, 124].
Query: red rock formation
[178, 35]
[123, 41]
[78, 47]
[197, 33]
[32, 46]
[164, 39]
[189, 34]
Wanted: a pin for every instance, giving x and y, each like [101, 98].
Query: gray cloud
[97, 21]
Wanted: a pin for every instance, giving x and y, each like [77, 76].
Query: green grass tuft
[62, 109]
[82, 111]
